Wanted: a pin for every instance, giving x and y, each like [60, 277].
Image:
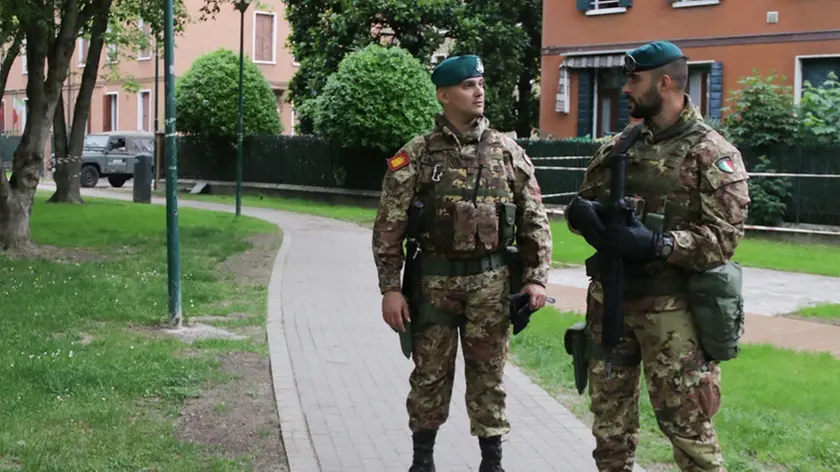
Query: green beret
[455, 69]
[651, 55]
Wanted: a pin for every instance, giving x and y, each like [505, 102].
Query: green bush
[207, 98]
[819, 111]
[380, 97]
[768, 196]
[763, 113]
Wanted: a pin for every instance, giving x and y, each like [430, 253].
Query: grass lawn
[89, 382]
[780, 409]
[828, 311]
[572, 249]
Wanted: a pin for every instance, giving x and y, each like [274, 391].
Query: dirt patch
[253, 267]
[61, 255]
[238, 417]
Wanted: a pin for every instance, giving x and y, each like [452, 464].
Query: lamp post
[173, 262]
[242, 6]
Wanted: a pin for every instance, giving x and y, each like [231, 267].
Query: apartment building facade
[114, 108]
[584, 42]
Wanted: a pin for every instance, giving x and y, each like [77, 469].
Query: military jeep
[112, 154]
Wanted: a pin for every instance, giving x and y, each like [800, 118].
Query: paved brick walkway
[341, 380]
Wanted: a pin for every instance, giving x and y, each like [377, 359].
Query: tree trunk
[15, 211]
[43, 47]
[66, 178]
[68, 188]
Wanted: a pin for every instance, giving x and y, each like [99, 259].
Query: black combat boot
[491, 454]
[424, 445]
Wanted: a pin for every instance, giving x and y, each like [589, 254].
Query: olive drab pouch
[576, 341]
[488, 226]
[507, 222]
[464, 226]
[717, 304]
[516, 269]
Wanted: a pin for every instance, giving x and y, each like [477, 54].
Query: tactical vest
[662, 202]
[469, 212]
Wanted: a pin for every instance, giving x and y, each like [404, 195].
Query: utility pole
[242, 6]
[171, 159]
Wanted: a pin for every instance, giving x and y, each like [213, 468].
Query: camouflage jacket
[464, 222]
[686, 180]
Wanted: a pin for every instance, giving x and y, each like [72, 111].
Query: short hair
[677, 71]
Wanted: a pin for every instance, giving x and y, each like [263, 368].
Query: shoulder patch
[399, 161]
[725, 165]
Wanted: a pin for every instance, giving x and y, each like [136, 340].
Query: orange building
[725, 40]
[113, 108]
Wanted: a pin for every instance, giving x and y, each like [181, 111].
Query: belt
[440, 266]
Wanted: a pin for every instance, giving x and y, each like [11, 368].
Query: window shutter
[623, 111]
[716, 90]
[625, 3]
[585, 102]
[583, 5]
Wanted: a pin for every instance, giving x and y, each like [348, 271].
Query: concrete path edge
[295, 430]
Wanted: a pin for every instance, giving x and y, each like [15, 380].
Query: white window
[23, 57]
[110, 111]
[265, 38]
[144, 110]
[82, 46]
[145, 53]
[292, 122]
[815, 70]
[605, 4]
[699, 86]
[694, 3]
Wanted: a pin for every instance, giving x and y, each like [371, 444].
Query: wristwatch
[665, 246]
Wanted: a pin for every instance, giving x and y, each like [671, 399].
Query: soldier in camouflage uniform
[683, 174]
[475, 184]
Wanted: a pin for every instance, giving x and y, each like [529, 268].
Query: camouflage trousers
[479, 307]
[684, 390]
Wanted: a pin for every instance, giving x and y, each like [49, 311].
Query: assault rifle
[411, 274]
[611, 266]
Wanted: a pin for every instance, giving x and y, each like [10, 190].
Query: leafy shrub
[208, 101]
[819, 112]
[380, 97]
[768, 195]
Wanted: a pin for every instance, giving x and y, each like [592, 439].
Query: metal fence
[813, 174]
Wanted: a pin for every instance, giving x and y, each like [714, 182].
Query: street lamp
[242, 6]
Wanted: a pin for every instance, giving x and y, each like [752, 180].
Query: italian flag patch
[725, 165]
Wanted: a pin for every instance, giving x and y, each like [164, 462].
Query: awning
[592, 61]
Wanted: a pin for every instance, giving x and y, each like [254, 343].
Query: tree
[508, 38]
[207, 97]
[506, 35]
[47, 43]
[819, 112]
[324, 31]
[115, 22]
[379, 98]
[50, 29]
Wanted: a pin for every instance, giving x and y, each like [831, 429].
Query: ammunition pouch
[507, 222]
[516, 269]
[577, 345]
[717, 306]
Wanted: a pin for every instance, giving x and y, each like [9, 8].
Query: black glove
[634, 241]
[520, 314]
[586, 216]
